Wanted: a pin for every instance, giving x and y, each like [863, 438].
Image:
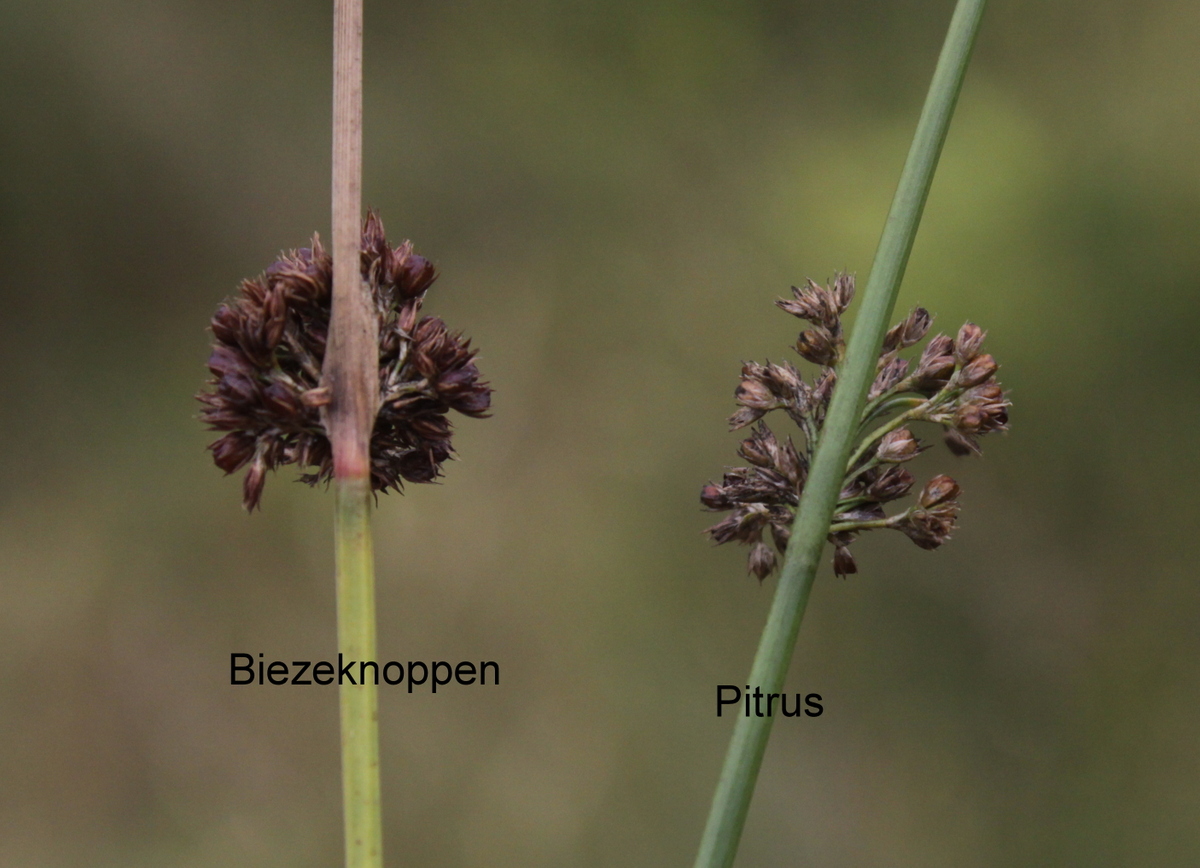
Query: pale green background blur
[615, 192]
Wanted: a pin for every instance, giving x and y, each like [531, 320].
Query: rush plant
[324, 361]
[854, 445]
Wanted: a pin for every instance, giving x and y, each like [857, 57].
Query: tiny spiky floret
[951, 384]
[266, 390]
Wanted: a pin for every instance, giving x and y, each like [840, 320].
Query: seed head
[266, 391]
[951, 384]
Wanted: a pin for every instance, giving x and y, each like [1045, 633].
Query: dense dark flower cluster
[266, 363]
[952, 384]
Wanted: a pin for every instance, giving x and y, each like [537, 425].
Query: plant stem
[359, 703]
[351, 367]
[887, 402]
[731, 801]
[868, 525]
[351, 370]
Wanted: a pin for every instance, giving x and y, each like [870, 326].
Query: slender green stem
[868, 525]
[359, 703]
[853, 475]
[881, 407]
[731, 801]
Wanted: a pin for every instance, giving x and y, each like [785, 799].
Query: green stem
[731, 801]
[851, 476]
[881, 407]
[868, 525]
[359, 703]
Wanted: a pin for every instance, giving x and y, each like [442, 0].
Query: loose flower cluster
[266, 363]
[951, 384]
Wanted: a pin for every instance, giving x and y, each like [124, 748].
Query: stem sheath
[731, 801]
[351, 369]
[359, 702]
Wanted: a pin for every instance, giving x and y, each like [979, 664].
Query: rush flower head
[951, 383]
[266, 391]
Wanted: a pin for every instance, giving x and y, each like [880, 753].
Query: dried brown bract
[951, 384]
[266, 390]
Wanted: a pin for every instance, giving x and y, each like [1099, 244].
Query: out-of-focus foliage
[614, 193]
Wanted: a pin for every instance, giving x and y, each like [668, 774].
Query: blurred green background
[615, 192]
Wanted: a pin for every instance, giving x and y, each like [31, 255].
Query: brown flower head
[266, 390]
[951, 384]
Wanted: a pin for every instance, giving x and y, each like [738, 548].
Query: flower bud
[252, 484]
[968, 419]
[760, 448]
[714, 497]
[936, 365]
[843, 291]
[909, 332]
[977, 371]
[282, 400]
[818, 346]
[968, 344]
[813, 303]
[888, 377]
[897, 446]
[761, 560]
[893, 483]
[743, 417]
[928, 530]
[232, 451]
[785, 383]
[414, 276]
[791, 465]
[938, 490]
[754, 393]
[939, 345]
[226, 324]
[843, 562]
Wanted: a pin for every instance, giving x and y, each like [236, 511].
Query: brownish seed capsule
[761, 560]
[888, 377]
[843, 562]
[940, 489]
[714, 497]
[897, 446]
[753, 393]
[968, 344]
[893, 483]
[909, 332]
[817, 346]
[843, 291]
[977, 371]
